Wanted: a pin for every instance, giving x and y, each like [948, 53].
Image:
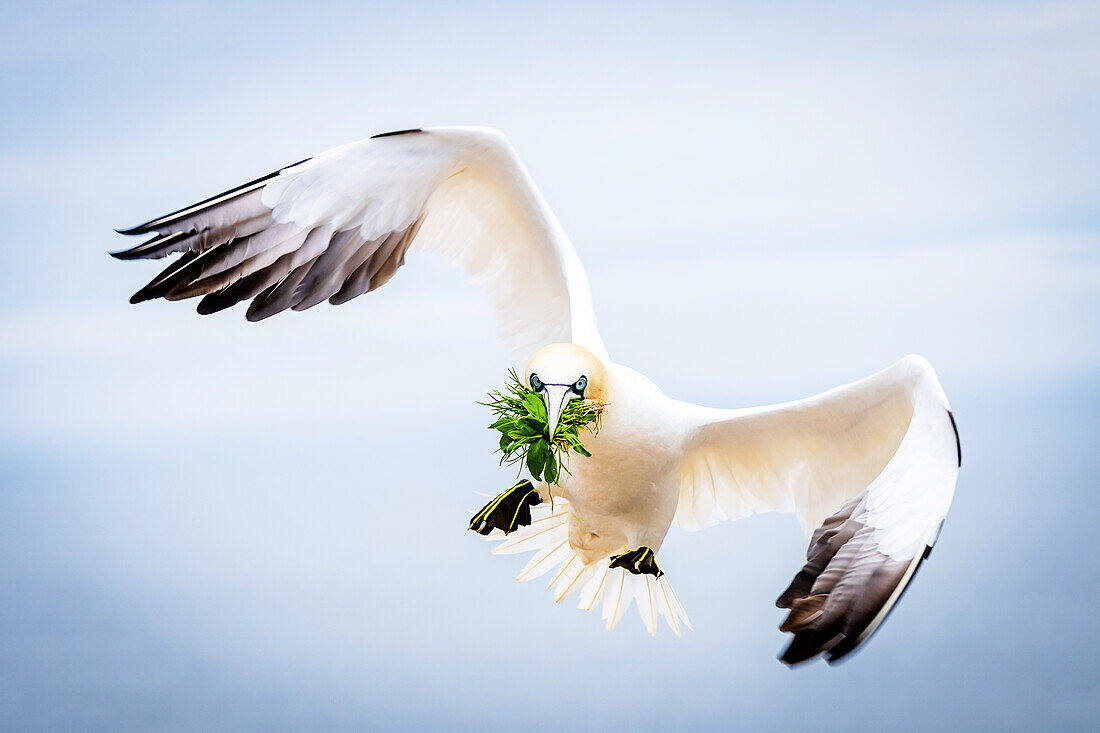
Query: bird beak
[556, 397]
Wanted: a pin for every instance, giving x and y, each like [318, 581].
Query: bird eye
[581, 384]
[536, 383]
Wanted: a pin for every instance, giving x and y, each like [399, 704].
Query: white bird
[868, 468]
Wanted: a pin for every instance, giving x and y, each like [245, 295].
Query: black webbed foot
[509, 511]
[642, 561]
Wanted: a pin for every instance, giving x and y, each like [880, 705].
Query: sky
[197, 514]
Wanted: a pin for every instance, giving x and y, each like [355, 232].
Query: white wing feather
[339, 224]
[869, 469]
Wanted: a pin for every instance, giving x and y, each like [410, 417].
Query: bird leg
[509, 511]
[642, 561]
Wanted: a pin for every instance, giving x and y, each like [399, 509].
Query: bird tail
[598, 584]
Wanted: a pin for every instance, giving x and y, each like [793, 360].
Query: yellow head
[561, 373]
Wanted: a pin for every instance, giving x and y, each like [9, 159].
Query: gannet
[868, 468]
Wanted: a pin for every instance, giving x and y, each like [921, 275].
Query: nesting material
[525, 431]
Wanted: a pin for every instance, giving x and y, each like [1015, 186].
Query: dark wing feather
[247, 287]
[234, 250]
[395, 259]
[243, 197]
[159, 286]
[159, 246]
[277, 297]
[379, 267]
[844, 591]
[225, 265]
[326, 275]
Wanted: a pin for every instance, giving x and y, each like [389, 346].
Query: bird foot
[642, 561]
[508, 511]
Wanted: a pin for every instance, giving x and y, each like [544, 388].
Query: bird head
[561, 373]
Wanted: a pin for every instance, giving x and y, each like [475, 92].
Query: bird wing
[869, 468]
[339, 225]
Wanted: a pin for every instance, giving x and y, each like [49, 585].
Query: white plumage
[868, 468]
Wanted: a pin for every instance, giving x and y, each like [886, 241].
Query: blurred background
[771, 199]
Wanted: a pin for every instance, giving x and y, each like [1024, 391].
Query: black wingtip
[139, 229]
[958, 443]
[804, 647]
[858, 638]
[155, 248]
[397, 132]
[128, 255]
[162, 221]
[152, 291]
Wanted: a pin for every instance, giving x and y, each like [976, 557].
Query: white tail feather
[616, 598]
[593, 589]
[643, 596]
[613, 588]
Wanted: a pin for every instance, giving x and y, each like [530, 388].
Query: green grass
[524, 431]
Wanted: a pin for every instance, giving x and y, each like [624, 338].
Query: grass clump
[525, 432]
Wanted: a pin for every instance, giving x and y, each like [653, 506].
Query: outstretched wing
[870, 470]
[339, 225]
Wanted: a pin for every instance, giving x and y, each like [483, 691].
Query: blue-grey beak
[556, 397]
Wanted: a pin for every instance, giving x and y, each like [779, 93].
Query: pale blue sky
[770, 199]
